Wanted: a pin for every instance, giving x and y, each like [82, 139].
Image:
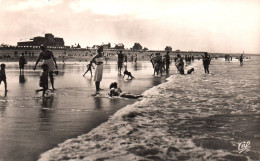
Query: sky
[228, 26]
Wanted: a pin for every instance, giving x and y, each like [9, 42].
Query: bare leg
[51, 79]
[128, 95]
[97, 86]
[208, 70]
[91, 73]
[43, 92]
[85, 73]
[120, 70]
[205, 69]
[5, 85]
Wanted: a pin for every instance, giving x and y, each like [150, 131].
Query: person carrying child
[43, 80]
[3, 76]
[89, 66]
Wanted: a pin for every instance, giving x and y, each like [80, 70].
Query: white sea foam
[188, 117]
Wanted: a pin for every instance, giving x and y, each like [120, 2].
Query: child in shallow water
[89, 66]
[43, 80]
[115, 91]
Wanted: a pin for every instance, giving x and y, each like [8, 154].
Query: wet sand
[189, 117]
[31, 125]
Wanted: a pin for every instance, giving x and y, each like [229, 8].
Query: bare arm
[96, 56]
[37, 61]
[92, 66]
[54, 60]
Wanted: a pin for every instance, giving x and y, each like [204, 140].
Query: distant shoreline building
[168, 48]
[48, 40]
[137, 47]
[120, 46]
[106, 46]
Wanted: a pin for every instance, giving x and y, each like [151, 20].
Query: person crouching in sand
[43, 80]
[115, 91]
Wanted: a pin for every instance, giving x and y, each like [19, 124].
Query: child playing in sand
[115, 91]
[3, 76]
[89, 68]
[43, 80]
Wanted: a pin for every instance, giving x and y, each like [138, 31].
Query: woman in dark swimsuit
[49, 59]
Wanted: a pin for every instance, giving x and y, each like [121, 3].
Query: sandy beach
[31, 125]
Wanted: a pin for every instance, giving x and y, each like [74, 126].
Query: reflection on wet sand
[98, 103]
[70, 108]
[22, 79]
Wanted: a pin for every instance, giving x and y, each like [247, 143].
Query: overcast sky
[197, 25]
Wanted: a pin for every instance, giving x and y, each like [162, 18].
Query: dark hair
[113, 85]
[3, 66]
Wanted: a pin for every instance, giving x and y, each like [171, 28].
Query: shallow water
[31, 125]
[191, 117]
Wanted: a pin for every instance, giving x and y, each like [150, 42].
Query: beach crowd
[160, 63]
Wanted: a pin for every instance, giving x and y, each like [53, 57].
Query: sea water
[30, 125]
[190, 117]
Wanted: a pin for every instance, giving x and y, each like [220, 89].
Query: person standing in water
[241, 59]
[49, 59]
[22, 62]
[167, 62]
[120, 61]
[43, 80]
[63, 56]
[98, 60]
[135, 58]
[206, 61]
[179, 64]
[3, 76]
